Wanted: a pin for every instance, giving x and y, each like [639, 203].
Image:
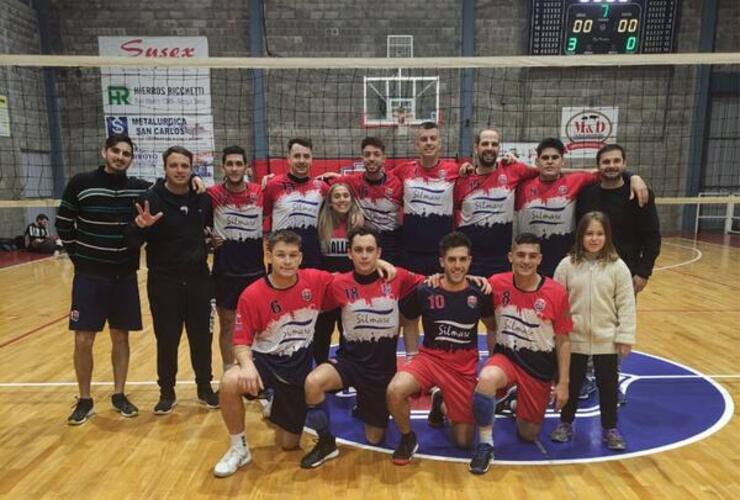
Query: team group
[445, 234]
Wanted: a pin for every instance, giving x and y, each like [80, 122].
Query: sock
[485, 435]
[483, 412]
[318, 419]
[239, 441]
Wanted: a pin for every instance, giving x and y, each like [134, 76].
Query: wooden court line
[31, 332]
[702, 278]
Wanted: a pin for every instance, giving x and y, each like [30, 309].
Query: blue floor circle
[668, 405]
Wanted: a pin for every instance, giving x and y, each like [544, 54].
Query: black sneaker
[208, 397]
[405, 450]
[123, 406]
[325, 449]
[83, 410]
[481, 461]
[165, 406]
[436, 418]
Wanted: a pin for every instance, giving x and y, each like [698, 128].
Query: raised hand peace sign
[145, 218]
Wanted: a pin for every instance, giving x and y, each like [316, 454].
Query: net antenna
[400, 100]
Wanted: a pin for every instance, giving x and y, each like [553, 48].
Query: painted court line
[21, 264]
[31, 332]
[698, 255]
[190, 382]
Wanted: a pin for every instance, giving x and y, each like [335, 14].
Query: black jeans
[175, 301]
[607, 378]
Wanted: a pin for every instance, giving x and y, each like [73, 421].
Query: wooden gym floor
[689, 313]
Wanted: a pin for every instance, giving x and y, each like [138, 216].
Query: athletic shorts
[371, 388]
[229, 288]
[425, 264]
[97, 299]
[289, 401]
[454, 373]
[533, 395]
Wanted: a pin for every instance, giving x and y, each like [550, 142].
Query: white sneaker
[267, 408]
[232, 461]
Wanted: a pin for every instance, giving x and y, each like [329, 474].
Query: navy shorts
[229, 288]
[371, 406]
[289, 400]
[425, 264]
[97, 299]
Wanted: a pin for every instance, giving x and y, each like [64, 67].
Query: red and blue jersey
[279, 324]
[450, 319]
[547, 209]
[484, 211]
[294, 204]
[427, 204]
[237, 219]
[527, 323]
[381, 202]
[370, 316]
[334, 256]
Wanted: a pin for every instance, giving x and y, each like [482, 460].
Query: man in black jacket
[173, 221]
[635, 229]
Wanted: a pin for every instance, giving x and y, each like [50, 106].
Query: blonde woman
[602, 302]
[338, 214]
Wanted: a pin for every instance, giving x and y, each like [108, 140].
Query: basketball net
[402, 126]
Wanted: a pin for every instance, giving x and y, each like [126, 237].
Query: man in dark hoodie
[173, 221]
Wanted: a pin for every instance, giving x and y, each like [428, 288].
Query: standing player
[449, 354]
[292, 200]
[484, 203]
[173, 220]
[546, 204]
[92, 218]
[428, 185]
[530, 348]
[273, 332]
[366, 359]
[237, 238]
[380, 197]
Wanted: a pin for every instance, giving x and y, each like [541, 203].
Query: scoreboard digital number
[567, 27]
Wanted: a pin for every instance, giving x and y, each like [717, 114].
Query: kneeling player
[532, 326]
[366, 359]
[273, 331]
[449, 354]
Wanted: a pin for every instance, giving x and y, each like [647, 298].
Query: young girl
[602, 301]
[338, 214]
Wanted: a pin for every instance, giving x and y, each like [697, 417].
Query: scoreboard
[567, 27]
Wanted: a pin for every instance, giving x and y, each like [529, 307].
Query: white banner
[585, 130]
[159, 107]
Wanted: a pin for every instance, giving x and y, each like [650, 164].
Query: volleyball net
[56, 111]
